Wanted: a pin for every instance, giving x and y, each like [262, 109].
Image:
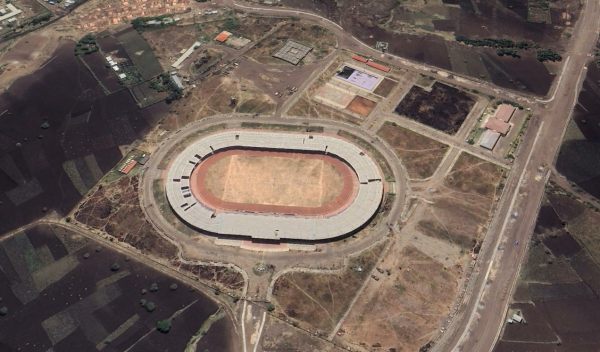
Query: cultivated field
[318, 301]
[462, 206]
[443, 108]
[420, 155]
[557, 294]
[274, 180]
[401, 311]
[71, 293]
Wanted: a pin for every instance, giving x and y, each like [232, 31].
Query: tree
[154, 287]
[270, 307]
[150, 306]
[173, 287]
[143, 302]
[114, 267]
[3, 311]
[163, 326]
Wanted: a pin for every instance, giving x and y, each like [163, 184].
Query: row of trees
[508, 47]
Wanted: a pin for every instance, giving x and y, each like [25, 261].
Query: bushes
[163, 326]
[114, 267]
[548, 55]
[153, 287]
[86, 45]
[509, 52]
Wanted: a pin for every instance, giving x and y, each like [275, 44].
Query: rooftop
[292, 52]
[497, 125]
[489, 139]
[223, 36]
[505, 112]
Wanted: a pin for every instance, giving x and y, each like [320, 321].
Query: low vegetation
[164, 83]
[86, 45]
[148, 23]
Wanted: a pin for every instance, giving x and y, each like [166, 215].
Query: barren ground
[463, 204]
[403, 309]
[303, 182]
[318, 301]
[420, 155]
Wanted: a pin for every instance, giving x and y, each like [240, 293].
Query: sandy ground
[274, 181]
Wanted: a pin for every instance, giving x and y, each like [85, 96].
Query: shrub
[144, 291]
[150, 306]
[173, 287]
[154, 287]
[114, 267]
[3, 311]
[86, 256]
[98, 249]
[270, 307]
[163, 326]
[143, 302]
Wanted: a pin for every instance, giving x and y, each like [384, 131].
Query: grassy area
[514, 145]
[475, 134]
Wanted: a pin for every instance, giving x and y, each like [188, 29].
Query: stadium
[274, 186]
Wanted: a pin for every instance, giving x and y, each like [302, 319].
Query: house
[497, 125]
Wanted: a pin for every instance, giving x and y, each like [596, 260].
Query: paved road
[480, 318]
[483, 314]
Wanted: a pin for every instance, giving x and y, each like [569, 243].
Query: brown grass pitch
[275, 182]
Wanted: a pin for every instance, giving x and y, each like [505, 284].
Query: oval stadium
[274, 185]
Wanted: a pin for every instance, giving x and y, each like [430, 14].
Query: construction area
[339, 217]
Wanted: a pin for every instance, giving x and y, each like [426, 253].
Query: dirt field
[420, 155]
[81, 304]
[213, 97]
[361, 106]
[444, 108]
[464, 203]
[402, 310]
[283, 181]
[317, 301]
[320, 39]
[278, 336]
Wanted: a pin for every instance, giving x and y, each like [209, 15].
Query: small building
[505, 112]
[292, 52]
[489, 139]
[122, 76]
[517, 318]
[379, 67]
[497, 125]
[223, 36]
[176, 80]
[127, 167]
[115, 68]
[361, 59]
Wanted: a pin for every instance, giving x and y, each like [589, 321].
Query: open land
[402, 309]
[420, 155]
[54, 149]
[213, 97]
[443, 108]
[279, 180]
[579, 156]
[464, 203]
[320, 39]
[61, 286]
[114, 210]
[425, 32]
[318, 301]
[279, 336]
[558, 290]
